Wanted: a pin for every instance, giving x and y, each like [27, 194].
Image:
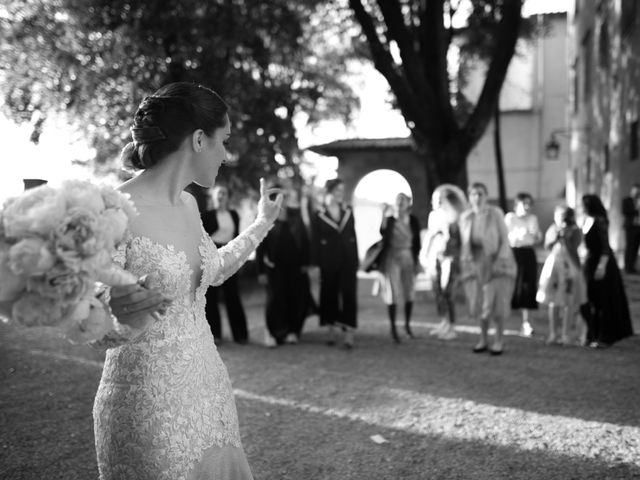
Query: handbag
[373, 257]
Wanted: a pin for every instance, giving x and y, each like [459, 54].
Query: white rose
[37, 211]
[33, 310]
[31, 256]
[83, 194]
[112, 225]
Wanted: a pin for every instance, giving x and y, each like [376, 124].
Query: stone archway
[359, 157]
[370, 194]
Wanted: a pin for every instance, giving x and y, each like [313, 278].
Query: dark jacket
[386, 229]
[374, 258]
[210, 222]
[333, 243]
[629, 212]
[270, 252]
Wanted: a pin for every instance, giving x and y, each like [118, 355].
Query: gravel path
[426, 409]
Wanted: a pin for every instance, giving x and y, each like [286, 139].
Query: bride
[165, 408]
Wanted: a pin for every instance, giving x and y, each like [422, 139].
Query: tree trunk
[444, 164]
[497, 145]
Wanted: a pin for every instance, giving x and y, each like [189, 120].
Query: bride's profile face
[212, 154]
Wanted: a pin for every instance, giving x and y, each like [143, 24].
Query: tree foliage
[94, 60]
[410, 42]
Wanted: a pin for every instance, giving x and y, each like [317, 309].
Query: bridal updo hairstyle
[163, 120]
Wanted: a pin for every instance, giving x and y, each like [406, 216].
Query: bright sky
[52, 158]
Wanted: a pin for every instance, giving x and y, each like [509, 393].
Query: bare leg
[527, 329]
[567, 315]
[498, 342]
[347, 338]
[484, 335]
[553, 320]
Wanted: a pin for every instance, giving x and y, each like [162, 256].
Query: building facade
[533, 107]
[604, 111]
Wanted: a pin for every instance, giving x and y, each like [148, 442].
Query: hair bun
[130, 158]
[147, 134]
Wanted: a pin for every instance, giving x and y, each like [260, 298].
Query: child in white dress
[562, 286]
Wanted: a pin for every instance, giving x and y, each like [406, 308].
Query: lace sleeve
[238, 250]
[120, 334]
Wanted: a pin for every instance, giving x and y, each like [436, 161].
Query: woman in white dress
[165, 408]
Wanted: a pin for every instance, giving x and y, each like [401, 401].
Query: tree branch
[504, 49]
[411, 61]
[384, 63]
[441, 48]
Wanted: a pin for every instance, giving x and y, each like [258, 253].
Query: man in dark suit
[631, 224]
[223, 225]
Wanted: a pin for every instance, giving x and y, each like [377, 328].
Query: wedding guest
[607, 309]
[399, 261]
[223, 225]
[335, 253]
[442, 254]
[562, 286]
[631, 224]
[487, 267]
[524, 235]
[283, 261]
[165, 407]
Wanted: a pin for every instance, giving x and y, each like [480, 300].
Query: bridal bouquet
[55, 248]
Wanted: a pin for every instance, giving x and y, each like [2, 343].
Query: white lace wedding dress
[165, 408]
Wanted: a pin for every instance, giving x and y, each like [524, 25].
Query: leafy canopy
[94, 60]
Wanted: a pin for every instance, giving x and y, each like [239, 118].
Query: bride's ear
[197, 140]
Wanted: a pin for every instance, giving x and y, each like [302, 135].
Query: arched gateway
[360, 156]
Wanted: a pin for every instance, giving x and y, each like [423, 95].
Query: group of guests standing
[580, 276]
[470, 246]
[493, 258]
[304, 244]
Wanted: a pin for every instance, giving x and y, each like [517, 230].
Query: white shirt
[523, 231]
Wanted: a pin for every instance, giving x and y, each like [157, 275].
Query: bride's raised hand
[270, 201]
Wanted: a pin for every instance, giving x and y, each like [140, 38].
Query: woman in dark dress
[607, 310]
[283, 261]
[524, 235]
[335, 252]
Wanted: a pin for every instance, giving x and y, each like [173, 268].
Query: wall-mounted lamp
[552, 147]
